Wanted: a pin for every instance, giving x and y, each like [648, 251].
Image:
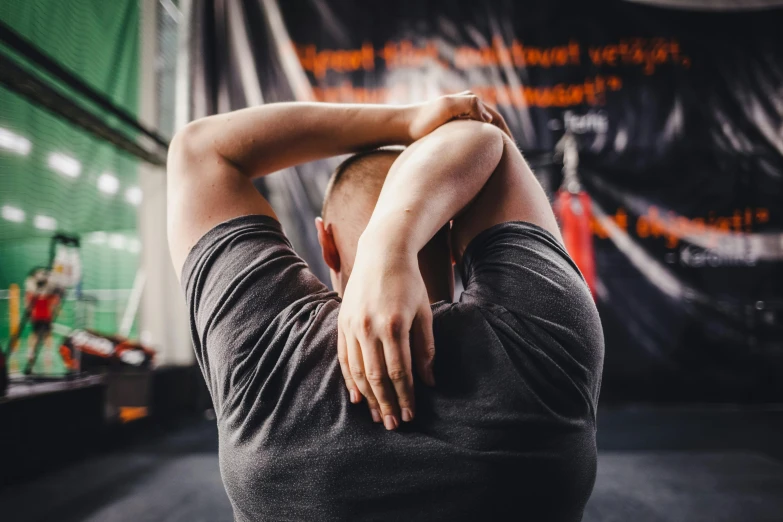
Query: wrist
[405, 116]
[382, 124]
[388, 240]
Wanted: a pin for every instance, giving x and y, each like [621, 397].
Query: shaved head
[350, 199]
[358, 180]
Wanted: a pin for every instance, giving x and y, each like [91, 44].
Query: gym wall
[56, 177]
[676, 115]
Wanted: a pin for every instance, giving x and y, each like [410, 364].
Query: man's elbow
[491, 138]
[189, 145]
[472, 136]
[187, 142]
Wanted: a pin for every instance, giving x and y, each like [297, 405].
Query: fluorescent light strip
[44, 222]
[97, 238]
[64, 164]
[108, 183]
[14, 214]
[134, 196]
[117, 241]
[15, 143]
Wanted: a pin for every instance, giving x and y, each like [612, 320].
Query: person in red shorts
[42, 300]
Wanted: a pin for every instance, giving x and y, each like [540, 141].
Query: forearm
[431, 182]
[264, 139]
[211, 160]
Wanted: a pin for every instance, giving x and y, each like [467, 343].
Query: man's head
[350, 199]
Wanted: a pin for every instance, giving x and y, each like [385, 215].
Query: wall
[98, 42]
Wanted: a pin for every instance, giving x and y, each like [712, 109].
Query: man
[502, 424]
[42, 299]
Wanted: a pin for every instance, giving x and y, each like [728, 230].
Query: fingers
[377, 379]
[356, 368]
[424, 345]
[342, 358]
[498, 121]
[397, 354]
[467, 105]
[379, 367]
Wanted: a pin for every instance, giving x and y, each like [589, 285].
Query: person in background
[42, 299]
[479, 409]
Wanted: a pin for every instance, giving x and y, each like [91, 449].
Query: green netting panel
[53, 176]
[98, 40]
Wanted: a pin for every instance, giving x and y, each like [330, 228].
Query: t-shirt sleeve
[522, 274]
[244, 287]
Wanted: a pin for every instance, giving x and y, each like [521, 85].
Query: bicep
[512, 193]
[204, 190]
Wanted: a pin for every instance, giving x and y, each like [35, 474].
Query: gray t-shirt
[507, 433]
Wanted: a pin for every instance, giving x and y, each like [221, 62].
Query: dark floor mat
[686, 487]
[176, 478]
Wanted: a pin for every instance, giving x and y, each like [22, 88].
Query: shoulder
[247, 269]
[204, 189]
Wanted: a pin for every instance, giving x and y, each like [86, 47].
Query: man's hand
[385, 322]
[385, 301]
[380, 313]
[498, 121]
[424, 118]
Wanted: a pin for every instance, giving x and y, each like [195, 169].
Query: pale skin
[213, 160]
[468, 172]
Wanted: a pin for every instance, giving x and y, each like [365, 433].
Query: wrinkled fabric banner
[674, 192]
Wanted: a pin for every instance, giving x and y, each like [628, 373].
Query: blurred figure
[42, 299]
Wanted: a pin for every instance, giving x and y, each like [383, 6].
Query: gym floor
[655, 465]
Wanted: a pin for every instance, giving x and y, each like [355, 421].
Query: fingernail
[487, 116]
[390, 422]
[407, 415]
[353, 396]
[376, 416]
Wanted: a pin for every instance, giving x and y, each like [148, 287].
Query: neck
[439, 283]
[438, 275]
[439, 290]
[436, 268]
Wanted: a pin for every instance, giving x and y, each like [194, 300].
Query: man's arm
[466, 171]
[453, 174]
[512, 193]
[385, 299]
[212, 161]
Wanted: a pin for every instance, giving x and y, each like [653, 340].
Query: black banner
[670, 123]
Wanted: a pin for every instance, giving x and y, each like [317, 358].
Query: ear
[328, 246]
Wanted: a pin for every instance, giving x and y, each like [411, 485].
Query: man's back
[507, 432]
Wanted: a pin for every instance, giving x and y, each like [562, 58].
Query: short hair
[358, 171]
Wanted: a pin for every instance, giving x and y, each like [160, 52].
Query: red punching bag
[573, 212]
[572, 208]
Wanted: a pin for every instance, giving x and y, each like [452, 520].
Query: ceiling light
[65, 165]
[14, 142]
[44, 222]
[117, 241]
[97, 238]
[134, 195]
[108, 184]
[13, 214]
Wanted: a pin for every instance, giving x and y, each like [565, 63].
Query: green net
[56, 177]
